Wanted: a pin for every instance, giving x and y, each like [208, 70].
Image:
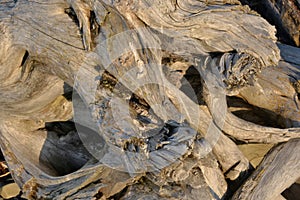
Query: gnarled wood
[142, 134]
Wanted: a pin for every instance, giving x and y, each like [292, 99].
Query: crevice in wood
[25, 57]
[95, 29]
[71, 13]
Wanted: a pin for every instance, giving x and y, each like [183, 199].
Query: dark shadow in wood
[63, 150]
[293, 192]
[255, 114]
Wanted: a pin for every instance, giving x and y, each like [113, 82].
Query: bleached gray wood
[279, 169]
[43, 44]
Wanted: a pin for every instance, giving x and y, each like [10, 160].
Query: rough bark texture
[146, 99]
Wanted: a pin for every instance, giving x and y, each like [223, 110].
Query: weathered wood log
[278, 171]
[283, 14]
[132, 128]
[278, 98]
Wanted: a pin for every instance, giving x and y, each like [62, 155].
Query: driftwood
[129, 100]
[284, 15]
[276, 171]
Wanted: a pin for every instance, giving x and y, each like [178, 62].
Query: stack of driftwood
[149, 99]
